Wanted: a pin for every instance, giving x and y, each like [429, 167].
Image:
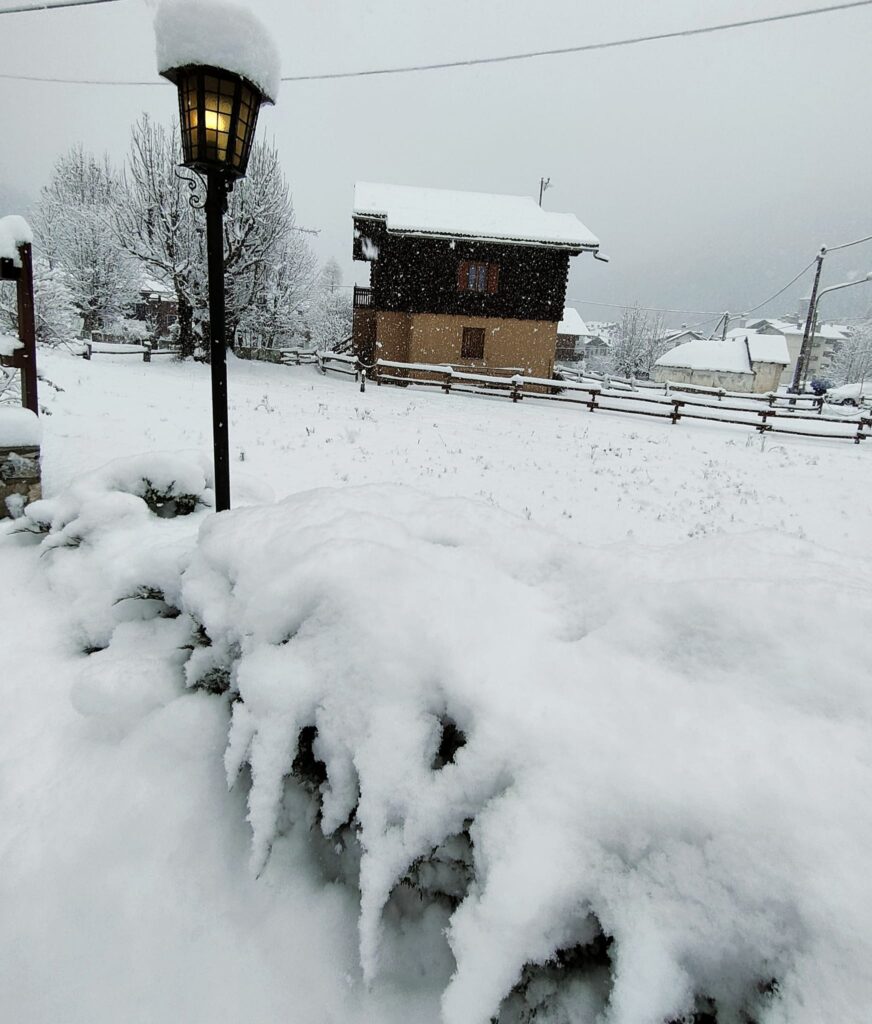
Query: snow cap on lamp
[220, 35]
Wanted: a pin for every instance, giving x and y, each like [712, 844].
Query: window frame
[466, 343]
[478, 277]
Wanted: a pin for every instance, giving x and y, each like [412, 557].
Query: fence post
[377, 375]
[446, 387]
[362, 373]
[87, 353]
[146, 352]
[676, 410]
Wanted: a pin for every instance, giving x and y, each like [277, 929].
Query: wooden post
[27, 330]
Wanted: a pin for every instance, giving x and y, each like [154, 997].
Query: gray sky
[712, 168]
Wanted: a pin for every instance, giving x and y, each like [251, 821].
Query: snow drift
[635, 786]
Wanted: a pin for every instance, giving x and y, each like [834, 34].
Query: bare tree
[638, 342]
[268, 266]
[157, 226]
[853, 360]
[73, 223]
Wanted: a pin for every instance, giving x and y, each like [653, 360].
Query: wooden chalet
[462, 278]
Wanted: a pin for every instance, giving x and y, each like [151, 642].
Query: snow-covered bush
[630, 787]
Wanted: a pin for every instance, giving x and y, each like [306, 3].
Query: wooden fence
[108, 348]
[783, 414]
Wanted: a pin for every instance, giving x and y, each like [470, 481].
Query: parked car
[851, 394]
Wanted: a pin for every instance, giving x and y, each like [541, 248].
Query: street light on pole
[218, 111]
[225, 67]
[803, 358]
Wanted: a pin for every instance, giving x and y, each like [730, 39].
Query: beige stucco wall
[767, 376]
[393, 333]
[764, 378]
[526, 345]
[705, 378]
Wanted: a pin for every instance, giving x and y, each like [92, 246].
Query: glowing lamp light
[218, 112]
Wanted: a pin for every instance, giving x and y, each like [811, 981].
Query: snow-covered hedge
[632, 784]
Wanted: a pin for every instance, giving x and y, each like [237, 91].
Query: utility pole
[544, 185]
[808, 334]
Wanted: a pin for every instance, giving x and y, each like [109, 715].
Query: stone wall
[19, 478]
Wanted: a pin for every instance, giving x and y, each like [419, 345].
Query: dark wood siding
[421, 275]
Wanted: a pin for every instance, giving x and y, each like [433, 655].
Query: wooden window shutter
[493, 277]
[463, 276]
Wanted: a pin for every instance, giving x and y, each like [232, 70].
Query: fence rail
[738, 409]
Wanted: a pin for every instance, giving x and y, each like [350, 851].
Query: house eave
[573, 248]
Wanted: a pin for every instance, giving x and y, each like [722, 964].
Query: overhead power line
[505, 58]
[47, 5]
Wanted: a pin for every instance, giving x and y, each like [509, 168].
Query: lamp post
[218, 113]
[812, 320]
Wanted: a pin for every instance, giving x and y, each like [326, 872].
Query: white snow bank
[218, 34]
[14, 231]
[438, 211]
[674, 773]
[9, 344]
[19, 427]
[683, 778]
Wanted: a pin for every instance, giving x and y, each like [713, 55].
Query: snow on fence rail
[727, 407]
[772, 398]
[111, 348]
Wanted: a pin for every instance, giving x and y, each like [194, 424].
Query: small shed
[750, 363]
[570, 331]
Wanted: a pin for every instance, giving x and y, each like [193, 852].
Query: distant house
[571, 332]
[597, 348]
[679, 336]
[752, 363]
[461, 278]
[157, 308]
[825, 344]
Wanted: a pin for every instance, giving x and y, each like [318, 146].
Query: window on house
[472, 346]
[473, 276]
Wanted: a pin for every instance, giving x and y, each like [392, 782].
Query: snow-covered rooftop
[725, 356]
[436, 211]
[768, 348]
[731, 355]
[829, 332]
[572, 323]
[220, 35]
[14, 231]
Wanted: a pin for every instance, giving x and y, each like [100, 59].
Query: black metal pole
[27, 330]
[216, 202]
[802, 358]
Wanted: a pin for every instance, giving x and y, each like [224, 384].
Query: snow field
[654, 749]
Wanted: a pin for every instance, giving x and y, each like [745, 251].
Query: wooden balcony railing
[362, 297]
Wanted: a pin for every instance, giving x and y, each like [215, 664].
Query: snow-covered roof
[14, 231]
[731, 355]
[219, 34]
[767, 348]
[829, 332]
[723, 356]
[572, 323]
[436, 211]
[154, 287]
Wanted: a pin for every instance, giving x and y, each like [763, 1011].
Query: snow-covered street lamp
[225, 67]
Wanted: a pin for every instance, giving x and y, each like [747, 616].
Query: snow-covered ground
[654, 638]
